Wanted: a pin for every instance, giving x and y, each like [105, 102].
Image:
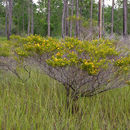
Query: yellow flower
[56, 59]
[58, 54]
[86, 63]
[72, 52]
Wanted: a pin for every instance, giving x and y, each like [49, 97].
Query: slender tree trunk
[65, 17]
[67, 22]
[29, 17]
[49, 18]
[81, 8]
[91, 15]
[63, 21]
[100, 18]
[23, 16]
[77, 21]
[32, 21]
[71, 100]
[71, 21]
[103, 18]
[112, 17]
[125, 18]
[6, 20]
[10, 18]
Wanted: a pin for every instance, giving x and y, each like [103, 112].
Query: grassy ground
[40, 104]
[3, 39]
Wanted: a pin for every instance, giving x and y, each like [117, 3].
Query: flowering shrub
[86, 67]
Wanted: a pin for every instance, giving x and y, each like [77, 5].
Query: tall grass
[40, 103]
[3, 39]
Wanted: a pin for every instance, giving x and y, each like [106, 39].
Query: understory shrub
[85, 68]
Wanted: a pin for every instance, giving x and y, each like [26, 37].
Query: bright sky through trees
[107, 2]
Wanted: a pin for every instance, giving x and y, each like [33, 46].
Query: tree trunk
[6, 21]
[103, 18]
[67, 22]
[65, 27]
[112, 18]
[32, 21]
[71, 21]
[77, 19]
[29, 17]
[23, 16]
[10, 18]
[71, 100]
[125, 18]
[63, 20]
[100, 18]
[48, 19]
[91, 16]
[81, 13]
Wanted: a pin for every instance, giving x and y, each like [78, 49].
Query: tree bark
[71, 21]
[65, 17]
[77, 20]
[63, 21]
[112, 17]
[29, 17]
[67, 22]
[32, 20]
[23, 16]
[125, 18]
[100, 18]
[6, 20]
[10, 18]
[91, 15]
[48, 19]
[71, 100]
[103, 18]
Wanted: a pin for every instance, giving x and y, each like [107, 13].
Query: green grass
[3, 38]
[40, 104]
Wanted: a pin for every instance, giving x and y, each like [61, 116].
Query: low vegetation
[97, 64]
[40, 103]
[32, 100]
[64, 67]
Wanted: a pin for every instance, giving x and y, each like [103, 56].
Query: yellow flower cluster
[123, 64]
[87, 55]
[21, 52]
[123, 61]
[90, 67]
[59, 62]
